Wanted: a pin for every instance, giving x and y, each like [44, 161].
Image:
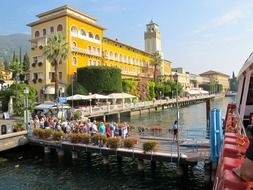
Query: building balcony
[85, 51]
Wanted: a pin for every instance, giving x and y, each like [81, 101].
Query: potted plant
[39, 80]
[113, 143]
[74, 137]
[38, 132]
[34, 81]
[98, 139]
[40, 63]
[47, 133]
[85, 138]
[150, 146]
[130, 142]
[18, 127]
[33, 64]
[40, 47]
[57, 135]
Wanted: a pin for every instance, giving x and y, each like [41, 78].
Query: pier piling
[47, 150]
[105, 159]
[140, 164]
[74, 154]
[60, 152]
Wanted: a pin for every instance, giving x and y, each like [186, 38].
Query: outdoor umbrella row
[100, 96]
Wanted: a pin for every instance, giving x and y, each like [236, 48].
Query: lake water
[29, 168]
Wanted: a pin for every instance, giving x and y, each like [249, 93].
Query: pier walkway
[106, 110]
[190, 151]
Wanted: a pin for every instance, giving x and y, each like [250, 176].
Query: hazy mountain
[12, 42]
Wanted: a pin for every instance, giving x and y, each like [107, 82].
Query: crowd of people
[111, 129]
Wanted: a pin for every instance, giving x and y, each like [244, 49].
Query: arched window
[44, 32]
[74, 61]
[74, 30]
[51, 29]
[91, 35]
[82, 32]
[111, 55]
[60, 28]
[97, 37]
[116, 56]
[73, 44]
[37, 34]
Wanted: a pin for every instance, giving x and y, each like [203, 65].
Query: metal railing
[138, 105]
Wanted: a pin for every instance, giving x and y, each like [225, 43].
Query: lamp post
[26, 92]
[175, 77]
[74, 76]
[90, 103]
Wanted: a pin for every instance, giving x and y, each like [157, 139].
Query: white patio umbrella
[98, 96]
[121, 95]
[78, 97]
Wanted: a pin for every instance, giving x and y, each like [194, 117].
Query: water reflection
[41, 172]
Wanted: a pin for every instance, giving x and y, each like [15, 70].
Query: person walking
[175, 130]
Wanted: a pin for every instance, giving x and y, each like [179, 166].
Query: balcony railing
[85, 51]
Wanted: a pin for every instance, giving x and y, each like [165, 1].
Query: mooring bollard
[140, 164]
[74, 154]
[47, 149]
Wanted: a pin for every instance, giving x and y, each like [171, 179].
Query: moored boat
[239, 116]
[230, 94]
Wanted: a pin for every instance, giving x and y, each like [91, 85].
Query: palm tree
[156, 62]
[56, 52]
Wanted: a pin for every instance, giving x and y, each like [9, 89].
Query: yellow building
[88, 47]
[5, 74]
[217, 78]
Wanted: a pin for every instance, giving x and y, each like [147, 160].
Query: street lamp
[175, 77]
[74, 76]
[26, 92]
[90, 103]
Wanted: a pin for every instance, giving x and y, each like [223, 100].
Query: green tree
[19, 95]
[14, 57]
[56, 52]
[26, 62]
[151, 90]
[6, 64]
[156, 62]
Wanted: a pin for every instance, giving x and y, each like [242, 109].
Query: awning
[122, 95]
[45, 105]
[50, 105]
[98, 96]
[78, 97]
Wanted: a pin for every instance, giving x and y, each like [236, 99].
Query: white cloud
[230, 17]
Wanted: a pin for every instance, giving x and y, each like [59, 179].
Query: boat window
[250, 93]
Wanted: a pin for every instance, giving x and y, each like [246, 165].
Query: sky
[198, 35]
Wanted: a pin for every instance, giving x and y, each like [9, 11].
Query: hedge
[100, 79]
